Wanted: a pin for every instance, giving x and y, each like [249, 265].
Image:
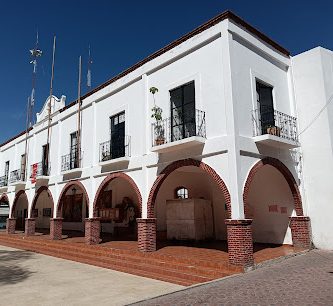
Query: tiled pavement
[305, 279]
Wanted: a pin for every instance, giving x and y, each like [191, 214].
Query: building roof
[225, 15]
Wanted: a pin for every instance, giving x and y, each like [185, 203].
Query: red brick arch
[17, 196]
[183, 163]
[65, 189]
[109, 179]
[37, 194]
[287, 175]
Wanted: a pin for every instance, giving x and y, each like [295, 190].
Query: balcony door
[265, 105]
[45, 159]
[6, 172]
[117, 144]
[23, 164]
[183, 112]
[73, 151]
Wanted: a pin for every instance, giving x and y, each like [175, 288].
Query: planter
[159, 141]
[274, 130]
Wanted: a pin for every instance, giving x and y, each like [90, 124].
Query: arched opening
[190, 203]
[4, 211]
[117, 204]
[20, 210]
[73, 208]
[42, 210]
[271, 197]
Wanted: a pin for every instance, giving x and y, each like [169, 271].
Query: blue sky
[120, 34]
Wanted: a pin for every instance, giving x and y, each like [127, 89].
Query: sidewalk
[301, 280]
[28, 278]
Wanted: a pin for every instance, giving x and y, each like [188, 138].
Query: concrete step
[175, 273]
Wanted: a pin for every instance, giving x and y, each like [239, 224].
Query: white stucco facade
[225, 61]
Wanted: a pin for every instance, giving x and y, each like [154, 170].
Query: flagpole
[79, 115]
[49, 107]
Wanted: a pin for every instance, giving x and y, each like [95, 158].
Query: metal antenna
[79, 115]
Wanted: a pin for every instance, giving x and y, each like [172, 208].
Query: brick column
[240, 243]
[92, 231]
[56, 228]
[30, 226]
[10, 225]
[147, 234]
[300, 231]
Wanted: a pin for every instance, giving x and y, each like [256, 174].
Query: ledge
[179, 144]
[277, 142]
[72, 171]
[119, 160]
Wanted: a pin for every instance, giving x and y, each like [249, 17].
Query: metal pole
[49, 106]
[79, 115]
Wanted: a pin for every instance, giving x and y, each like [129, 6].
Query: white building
[226, 152]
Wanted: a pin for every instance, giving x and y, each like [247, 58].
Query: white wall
[313, 79]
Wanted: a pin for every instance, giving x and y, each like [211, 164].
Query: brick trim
[56, 228]
[300, 231]
[30, 226]
[92, 231]
[240, 242]
[65, 189]
[10, 225]
[277, 164]
[17, 196]
[146, 234]
[4, 197]
[37, 194]
[182, 163]
[109, 179]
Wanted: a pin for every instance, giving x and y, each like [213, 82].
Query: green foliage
[153, 90]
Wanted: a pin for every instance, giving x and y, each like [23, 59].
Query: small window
[181, 193]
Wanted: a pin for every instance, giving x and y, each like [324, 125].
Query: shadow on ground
[10, 270]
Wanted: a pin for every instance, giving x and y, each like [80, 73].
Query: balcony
[275, 129]
[178, 133]
[71, 164]
[3, 182]
[17, 178]
[40, 172]
[115, 151]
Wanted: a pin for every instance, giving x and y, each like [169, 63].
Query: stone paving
[305, 279]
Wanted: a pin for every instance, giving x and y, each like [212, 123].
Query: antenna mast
[49, 106]
[79, 115]
[35, 54]
[89, 71]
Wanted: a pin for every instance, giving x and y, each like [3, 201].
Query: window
[117, 135]
[74, 163]
[181, 193]
[265, 105]
[183, 112]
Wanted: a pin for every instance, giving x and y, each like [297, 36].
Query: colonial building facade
[198, 141]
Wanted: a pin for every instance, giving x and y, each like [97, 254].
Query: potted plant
[273, 130]
[157, 115]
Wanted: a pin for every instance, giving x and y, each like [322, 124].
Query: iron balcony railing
[115, 148]
[16, 176]
[71, 161]
[4, 181]
[276, 123]
[40, 169]
[179, 127]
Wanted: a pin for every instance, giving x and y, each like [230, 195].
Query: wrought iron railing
[71, 161]
[16, 176]
[40, 169]
[275, 123]
[179, 127]
[4, 181]
[115, 148]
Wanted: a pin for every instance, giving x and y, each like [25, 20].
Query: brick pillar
[240, 243]
[300, 231]
[147, 234]
[10, 226]
[92, 231]
[30, 226]
[56, 228]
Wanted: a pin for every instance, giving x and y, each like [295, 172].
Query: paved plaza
[28, 278]
[302, 280]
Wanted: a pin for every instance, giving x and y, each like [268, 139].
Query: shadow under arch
[111, 178]
[282, 168]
